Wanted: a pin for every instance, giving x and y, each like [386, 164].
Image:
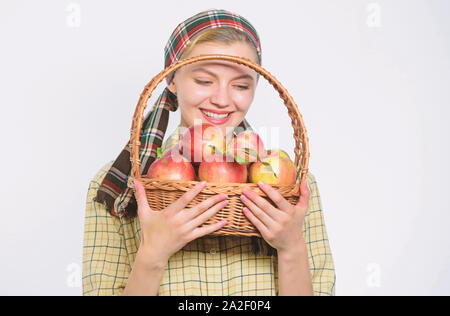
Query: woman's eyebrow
[243, 76]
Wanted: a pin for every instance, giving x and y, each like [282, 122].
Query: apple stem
[213, 148]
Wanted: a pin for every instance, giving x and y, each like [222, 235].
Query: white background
[371, 79]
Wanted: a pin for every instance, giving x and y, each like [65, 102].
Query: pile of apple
[202, 154]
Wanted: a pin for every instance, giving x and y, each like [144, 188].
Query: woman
[130, 249]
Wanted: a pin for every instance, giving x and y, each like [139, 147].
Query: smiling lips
[216, 117]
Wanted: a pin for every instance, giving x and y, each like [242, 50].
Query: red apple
[171, 167]
[200, 141]
[246, 147]
[276, 168]
[221, 168]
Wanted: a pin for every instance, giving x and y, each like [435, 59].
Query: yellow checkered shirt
[220, 265]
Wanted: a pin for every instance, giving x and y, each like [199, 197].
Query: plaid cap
[114, 191]
[186, 31]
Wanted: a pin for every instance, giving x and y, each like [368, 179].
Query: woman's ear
[171, 86]
[171, 89]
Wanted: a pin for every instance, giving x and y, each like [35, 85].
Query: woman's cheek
[242, 102]
[197, 95]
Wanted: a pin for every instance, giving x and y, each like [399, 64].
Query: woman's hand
[165, 232]
[280, 226]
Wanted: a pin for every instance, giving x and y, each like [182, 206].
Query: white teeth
[214, 115]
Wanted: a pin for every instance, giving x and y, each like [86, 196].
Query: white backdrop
[371, 79]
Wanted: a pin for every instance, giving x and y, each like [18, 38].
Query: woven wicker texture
[160, 194]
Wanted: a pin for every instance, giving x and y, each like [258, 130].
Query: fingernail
[223, 222]
[261, 184]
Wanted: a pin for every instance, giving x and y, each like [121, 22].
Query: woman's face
[217, 92]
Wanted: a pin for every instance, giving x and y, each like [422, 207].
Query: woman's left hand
[280, 226]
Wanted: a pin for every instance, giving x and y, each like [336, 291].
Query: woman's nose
[221, 96]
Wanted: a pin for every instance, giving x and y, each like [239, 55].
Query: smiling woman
[130, 249]
[217, 92]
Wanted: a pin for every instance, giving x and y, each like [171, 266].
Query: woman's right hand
[165, 232]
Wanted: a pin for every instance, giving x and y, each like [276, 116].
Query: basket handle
[301, 139]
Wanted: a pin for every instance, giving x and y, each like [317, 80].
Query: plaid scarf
[114, 192]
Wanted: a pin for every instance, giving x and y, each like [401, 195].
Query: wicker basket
[160, 194]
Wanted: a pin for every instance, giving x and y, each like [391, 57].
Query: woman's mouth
[214, 118]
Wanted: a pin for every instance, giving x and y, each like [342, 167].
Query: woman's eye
[202, 82]
[208, 82]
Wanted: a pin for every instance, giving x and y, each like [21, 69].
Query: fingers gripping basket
[161, 194]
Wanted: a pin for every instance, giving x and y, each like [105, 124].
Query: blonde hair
[223, 35]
